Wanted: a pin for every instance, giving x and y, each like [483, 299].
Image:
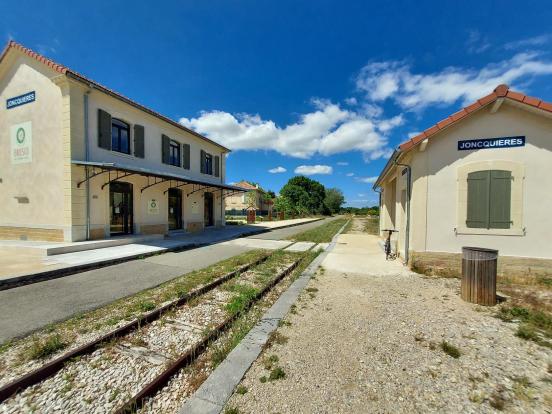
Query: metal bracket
[199, 189]
[116, 178]
[155, 183]
[94, 174]
[176, 186]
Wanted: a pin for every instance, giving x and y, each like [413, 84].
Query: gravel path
[367, 336]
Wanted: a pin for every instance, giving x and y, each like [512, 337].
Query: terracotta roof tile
[545, 106]
[499, 92]
[529, 100]
[66, 71]
[515, 96]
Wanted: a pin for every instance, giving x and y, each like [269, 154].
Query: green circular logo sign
[20, 135]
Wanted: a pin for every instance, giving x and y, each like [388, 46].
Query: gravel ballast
[370, 336]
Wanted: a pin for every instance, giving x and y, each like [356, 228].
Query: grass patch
[321, 234]
[270, 362]
[241, 301]
[450, 349]
[40, 349]
[276, 374]
[241, 390]
[535, 325]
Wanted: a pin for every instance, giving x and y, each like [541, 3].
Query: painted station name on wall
[20, 100]
[487, 143]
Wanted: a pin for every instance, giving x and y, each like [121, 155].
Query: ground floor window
[120, 208]
[175, 209]
[489, 199]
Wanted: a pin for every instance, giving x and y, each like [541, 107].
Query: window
[174, 153]
[120, 136]
[208, 164]
[489, 199]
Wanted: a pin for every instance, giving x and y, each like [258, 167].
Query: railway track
[120, 370]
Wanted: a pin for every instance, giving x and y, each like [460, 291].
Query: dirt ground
[370, 336]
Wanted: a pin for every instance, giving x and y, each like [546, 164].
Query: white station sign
[21, 143]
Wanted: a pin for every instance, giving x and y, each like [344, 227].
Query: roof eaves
[81, 78]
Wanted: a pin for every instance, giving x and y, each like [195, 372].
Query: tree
[334, 200]
[283, 204]
[305, 195]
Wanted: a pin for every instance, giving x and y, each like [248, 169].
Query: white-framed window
[490, 198]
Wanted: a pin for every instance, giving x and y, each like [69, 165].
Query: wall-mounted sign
[195, 208]
[20, 100]
[21, 143]
[153, 206]
[488, 143]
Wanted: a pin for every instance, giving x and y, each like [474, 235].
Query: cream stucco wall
[40, 181]
[436, 191]
[44, 194]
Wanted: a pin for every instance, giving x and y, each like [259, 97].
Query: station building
[79, 161]
[481, 177]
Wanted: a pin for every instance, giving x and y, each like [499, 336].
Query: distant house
[255, 197]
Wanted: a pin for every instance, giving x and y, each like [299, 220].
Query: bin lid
[479, 252]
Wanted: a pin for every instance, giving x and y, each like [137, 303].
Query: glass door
[175, 209]
[208, 209]
[120, 203]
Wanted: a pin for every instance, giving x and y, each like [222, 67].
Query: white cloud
[327, 130]
[342, 163]
[367, 180]
[529, 42]
[395, 80]
[413, 134]
[277, 170]
[350, 174]
[476, 42]
[313, 169]
[351, 101]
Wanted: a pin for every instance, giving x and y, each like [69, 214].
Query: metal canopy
[158, 177]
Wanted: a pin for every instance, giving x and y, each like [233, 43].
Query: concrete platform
[300, 247]
[50, 248]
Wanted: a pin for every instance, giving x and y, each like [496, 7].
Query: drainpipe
[408, 195]
[379, 190]
[87, 158]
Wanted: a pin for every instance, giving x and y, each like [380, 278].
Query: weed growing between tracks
[189, 380]
[320, 234]
[20, 356]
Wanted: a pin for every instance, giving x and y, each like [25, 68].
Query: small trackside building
[79, 161]
[481, 177]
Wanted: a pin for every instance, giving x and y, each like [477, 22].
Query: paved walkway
[16, 262]
[366, 337]
[30, 307]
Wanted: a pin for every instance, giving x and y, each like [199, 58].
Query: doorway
[175, 209]
[121, 213]
[208, 209]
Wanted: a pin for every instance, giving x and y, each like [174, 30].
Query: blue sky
[324, 87]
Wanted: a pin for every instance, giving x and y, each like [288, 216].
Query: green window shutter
[186, 156]
[104, 129]
[202, 161]
[217, 166]
[165, 149]
[478, 199]
[139, 141]
[500, 199]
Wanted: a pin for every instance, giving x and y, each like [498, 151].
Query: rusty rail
[52, 367]
[136, 402]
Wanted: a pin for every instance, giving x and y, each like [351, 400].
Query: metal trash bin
[479, 267]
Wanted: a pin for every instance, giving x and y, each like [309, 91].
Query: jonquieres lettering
[505, 142]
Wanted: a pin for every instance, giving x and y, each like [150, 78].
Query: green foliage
[240, 302]
[43, 348]
[320, 234]
[276, 374]
[362, 211]
[306, 196]
[535, 325]
[334, 200]
[450, 350]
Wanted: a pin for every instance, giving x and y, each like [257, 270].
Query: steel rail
[52, 367]
[136, 402]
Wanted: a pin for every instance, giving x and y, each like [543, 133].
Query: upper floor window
[174, 153]
[120, 136]
[208, 164]
[489, 199]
